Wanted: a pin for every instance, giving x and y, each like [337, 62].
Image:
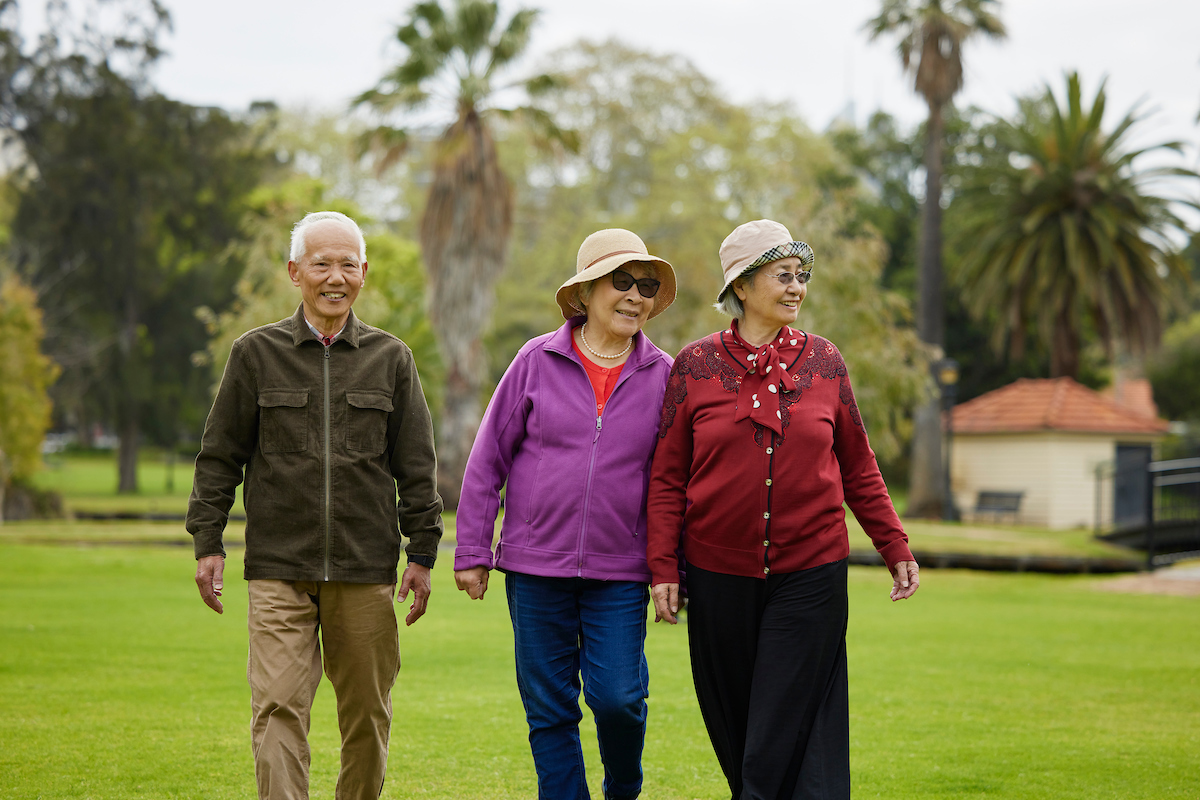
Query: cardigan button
[766, 515]
[766, 570]
[768, 481]
[770, 450]
[766, 542]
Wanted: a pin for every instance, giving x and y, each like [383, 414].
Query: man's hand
[666, 602]
[905, 580]
[210, 572]
[417, 579]
[472, 581]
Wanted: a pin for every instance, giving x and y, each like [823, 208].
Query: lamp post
[946, 372]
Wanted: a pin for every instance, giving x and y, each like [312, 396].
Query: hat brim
[663, 299]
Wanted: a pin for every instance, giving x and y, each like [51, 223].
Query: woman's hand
[905, 580]
[666, 602]
[472, 581]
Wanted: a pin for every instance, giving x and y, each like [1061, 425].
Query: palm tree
[454, 55]
[931, 34]
[1062, 234]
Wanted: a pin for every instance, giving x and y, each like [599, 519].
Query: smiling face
[330, 274]
[769, 304]
[613, 316]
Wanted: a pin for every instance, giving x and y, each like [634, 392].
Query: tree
[1062, 232]
[932, 34]
[664, 155]
[888, 159]
[128, 199]
[1174, 371]
[25, 375]
[465, 227]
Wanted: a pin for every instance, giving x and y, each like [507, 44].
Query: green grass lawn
[116, 682]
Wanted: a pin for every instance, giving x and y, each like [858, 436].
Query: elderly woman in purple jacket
[570, 430]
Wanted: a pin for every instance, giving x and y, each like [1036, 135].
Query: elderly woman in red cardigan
[760, 444]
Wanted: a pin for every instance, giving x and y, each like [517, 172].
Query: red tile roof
[1058, 404]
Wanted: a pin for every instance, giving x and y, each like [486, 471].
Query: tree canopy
[126, 200]
[664, 155]
[1062, 230]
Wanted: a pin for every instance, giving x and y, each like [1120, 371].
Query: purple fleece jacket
[576, 499]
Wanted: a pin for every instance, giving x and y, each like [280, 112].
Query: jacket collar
[560, 342]
[301, 332]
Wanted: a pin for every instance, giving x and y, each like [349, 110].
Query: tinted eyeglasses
[786, 277]
[622, 280]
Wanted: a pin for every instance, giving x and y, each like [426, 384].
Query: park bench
[998, 503]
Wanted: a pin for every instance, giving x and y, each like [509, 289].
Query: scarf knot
[760, 395]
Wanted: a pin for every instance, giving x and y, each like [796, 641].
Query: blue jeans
[565, 627]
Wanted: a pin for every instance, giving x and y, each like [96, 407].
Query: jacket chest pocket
[366, 421]
[283, 420]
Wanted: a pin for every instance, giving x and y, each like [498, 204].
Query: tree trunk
[3, 482]
[931, 313]
[1064, 353]
[127, 455]
[127, 415]
[926, 486]
[464, 235]
[458, 425]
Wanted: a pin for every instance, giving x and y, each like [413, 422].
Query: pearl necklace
[588, 347]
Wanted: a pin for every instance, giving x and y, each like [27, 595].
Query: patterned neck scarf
[759, 395]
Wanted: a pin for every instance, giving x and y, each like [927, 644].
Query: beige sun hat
[605, 251]
[753, 244]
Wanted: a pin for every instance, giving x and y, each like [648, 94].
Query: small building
[1049, 440]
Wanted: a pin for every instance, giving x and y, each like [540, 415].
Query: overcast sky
[814, 54]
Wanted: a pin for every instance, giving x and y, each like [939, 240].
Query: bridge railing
[1172, 498]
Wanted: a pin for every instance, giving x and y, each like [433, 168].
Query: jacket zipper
[587, 496]
[328, 469]
[587, 491]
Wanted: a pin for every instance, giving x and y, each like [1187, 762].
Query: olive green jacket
[325, 437]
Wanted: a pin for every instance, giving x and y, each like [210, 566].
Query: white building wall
[1002, 463]
[1074, 458]
[1056, 471]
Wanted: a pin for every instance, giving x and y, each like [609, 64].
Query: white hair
[730, 305]
[299, 243]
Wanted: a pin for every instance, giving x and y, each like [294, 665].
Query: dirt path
[1179, 581]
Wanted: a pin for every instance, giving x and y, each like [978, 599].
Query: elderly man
[324, 418]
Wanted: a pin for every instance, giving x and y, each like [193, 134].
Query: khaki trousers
[356, 624]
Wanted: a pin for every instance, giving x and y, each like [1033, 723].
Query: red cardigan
[752, 501]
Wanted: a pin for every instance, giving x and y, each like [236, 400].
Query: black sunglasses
[647, 287]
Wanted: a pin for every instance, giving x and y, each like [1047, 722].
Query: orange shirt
[604, 379]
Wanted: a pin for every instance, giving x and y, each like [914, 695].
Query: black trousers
[769, 663]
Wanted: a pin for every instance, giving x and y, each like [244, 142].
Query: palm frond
[387, 144]
[513, 42]
[1057, 226]
[474, 21]
[547, 134]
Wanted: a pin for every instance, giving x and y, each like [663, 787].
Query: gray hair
[583, 291]
[299, 232]
[729, 304]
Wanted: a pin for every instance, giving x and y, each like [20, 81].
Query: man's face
[329, 274]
